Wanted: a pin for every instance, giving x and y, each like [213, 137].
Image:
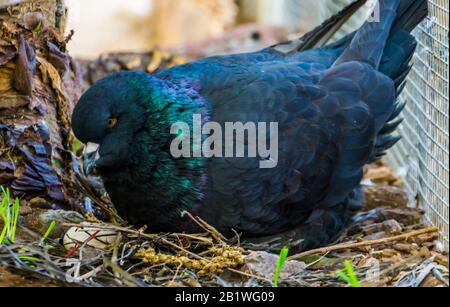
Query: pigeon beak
[90, 157]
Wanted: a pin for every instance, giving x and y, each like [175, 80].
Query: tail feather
[399, 107]
[396, 63]
[408, 15]
[396, 56]
[391, 126]
[384, 142]
[385, 139]
[370, 40]
[387, 45]
[401, 87]
[400, 79]
[411, 14]
[320, 36]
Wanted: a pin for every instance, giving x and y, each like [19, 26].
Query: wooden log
[39, 85]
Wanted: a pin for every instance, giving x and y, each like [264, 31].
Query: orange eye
[112, 122]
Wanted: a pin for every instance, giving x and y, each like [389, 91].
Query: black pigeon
[335, 105]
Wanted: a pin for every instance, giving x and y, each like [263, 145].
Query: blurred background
[188, 25]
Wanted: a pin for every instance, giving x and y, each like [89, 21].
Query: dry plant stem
[176, 273]
[116, 248]
[208, 228]
[115, 253]
[85, 187]
[364, 244]
[219, 237]
[317, 261]
[206, 241]
[92, 273]
[124, 277]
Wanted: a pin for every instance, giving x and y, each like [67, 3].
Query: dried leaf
[25, 68]
[36, 175]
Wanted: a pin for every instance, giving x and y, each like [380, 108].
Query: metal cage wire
[424, 149]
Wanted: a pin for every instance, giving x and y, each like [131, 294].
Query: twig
[91, 273]
[364, 244]
[317, 261]
[127, 278]
[87, 190]
[207, 241]
[204, 225]
[115, 254]
[237, 237]
[176, 273]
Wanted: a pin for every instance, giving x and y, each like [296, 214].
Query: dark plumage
[336, 106]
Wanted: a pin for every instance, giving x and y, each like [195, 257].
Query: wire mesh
[424, 149]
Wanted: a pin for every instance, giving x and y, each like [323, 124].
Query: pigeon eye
[112, 122]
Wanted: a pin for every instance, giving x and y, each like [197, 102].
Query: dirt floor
[388, 246]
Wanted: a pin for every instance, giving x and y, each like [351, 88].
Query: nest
[387, 246]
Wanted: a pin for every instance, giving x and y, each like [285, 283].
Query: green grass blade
[15, 218]
[29, 258]
[342, 275]
[4, 208]
[354, 282]
[9, 214]
[3, 234]
[348, 275]
[281, 261]
[49, 231]
[8, 221]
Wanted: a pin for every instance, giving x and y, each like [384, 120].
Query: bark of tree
[39, 85]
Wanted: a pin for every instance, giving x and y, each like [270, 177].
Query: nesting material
[388, 246]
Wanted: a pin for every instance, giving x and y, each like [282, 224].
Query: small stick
[129, 280]
[176, 273]
[213, 230]
[91, 273]
[86, 189]
[317, 261]
[115, 254]
[208, 228]
[206, 241]
[344, 246]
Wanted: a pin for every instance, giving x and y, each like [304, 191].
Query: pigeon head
[127, 109]
[110, 113]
